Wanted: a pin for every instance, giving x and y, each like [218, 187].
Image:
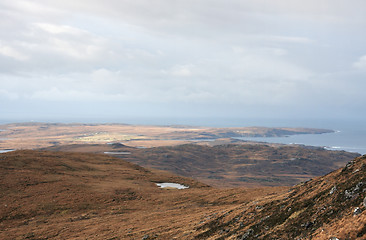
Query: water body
[171, 185]
[118, 153]
[350, 135]
[6, 150]
[347, 137]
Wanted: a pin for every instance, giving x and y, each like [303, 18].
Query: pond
[6, 150]
[171, 185]
[117, 153]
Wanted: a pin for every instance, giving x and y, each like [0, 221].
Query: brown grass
[230, 165]
[73, 195]
[58, 195]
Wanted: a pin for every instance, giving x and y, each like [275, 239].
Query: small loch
[6, 150]
[117, 153]
[171, 185]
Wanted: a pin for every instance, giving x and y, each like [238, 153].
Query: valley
[228, 165]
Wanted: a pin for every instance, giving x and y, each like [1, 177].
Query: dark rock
[246, 234]
[348, 194]
[354, 192]
[225, 231]
[333, 190]
[307, 224]
[350, 164]
[358, 187]
[357, 211]
[364, 202]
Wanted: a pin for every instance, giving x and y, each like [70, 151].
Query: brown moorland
[230, 165]
[38, 135]
[58, 195]
[328, 207]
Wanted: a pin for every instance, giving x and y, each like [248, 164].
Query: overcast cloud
[238, 58]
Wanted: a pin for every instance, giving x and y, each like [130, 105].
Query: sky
[119, 59]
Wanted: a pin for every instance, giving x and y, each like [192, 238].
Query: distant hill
[40, 135]
[230, 165]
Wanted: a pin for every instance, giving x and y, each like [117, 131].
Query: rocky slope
[328, 207]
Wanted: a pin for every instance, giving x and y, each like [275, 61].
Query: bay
[347, 138]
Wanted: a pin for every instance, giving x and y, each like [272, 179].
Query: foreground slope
[328, 207]
[58, 195]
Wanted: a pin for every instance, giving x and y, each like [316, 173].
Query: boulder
[357, 211]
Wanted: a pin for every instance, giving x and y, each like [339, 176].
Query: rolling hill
[230, 165]
[63, 195]
[58, 195]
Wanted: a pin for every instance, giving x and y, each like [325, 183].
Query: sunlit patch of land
[37, 135]
[106, 137]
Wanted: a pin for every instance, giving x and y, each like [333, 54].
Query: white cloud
[180, 71]
[60, 29]
[69, 41]
[8, 95]
[69, 95]
[207, 51]
[281, 39]
[13, 53]
[360, 63]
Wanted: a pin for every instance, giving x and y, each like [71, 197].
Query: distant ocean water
[347, 140]
[350, 135]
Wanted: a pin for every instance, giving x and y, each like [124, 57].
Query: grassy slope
[62, 195]
[318, 209]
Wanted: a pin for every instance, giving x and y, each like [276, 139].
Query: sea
[349, 134]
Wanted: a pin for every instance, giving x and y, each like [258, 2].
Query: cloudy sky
[120, 59]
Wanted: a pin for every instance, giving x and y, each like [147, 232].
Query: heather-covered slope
[326, 207]
[58, 195]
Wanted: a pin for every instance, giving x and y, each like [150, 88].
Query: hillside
[230, 165]
[328, 207]
[58, 195]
